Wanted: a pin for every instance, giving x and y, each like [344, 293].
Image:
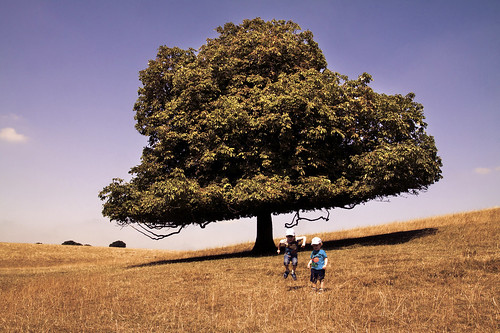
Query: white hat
[316, 241]
[290, 232]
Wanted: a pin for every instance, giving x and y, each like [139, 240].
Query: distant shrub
[118, 243]
[71, 242]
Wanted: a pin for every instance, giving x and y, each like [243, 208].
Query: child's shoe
[294, 276]
[285, 275]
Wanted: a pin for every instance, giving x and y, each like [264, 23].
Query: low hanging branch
[297, 218]
[146, 229]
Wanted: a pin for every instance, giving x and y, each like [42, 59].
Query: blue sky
[69, 79]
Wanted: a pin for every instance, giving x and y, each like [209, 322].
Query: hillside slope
[440, 275]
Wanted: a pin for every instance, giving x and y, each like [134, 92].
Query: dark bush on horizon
[118, 243]
[71, 242]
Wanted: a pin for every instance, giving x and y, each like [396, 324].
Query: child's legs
[314, 279]
[286, 261]
[317, 275]
[321, 279]
[295, 261]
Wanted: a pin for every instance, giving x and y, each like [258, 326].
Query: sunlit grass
[441, 282]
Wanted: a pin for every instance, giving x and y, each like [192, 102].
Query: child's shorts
[292, 258]
[317, 274]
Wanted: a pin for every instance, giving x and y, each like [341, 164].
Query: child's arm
[282, 241]
[309, 264]
[326, 263]
[303, 239]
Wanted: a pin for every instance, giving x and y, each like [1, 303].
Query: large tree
[254, 124]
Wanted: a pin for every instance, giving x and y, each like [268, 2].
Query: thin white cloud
[9, 117]
[482, 171]
[485, 171]
[10, 135]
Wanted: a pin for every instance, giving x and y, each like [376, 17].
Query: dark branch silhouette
[297, 218]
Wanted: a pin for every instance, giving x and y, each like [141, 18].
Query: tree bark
[264, 242]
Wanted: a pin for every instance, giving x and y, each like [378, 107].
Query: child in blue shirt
[317, 264]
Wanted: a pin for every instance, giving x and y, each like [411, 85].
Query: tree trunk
[264, 243]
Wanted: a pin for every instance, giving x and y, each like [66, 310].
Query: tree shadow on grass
[392, 238]
[244, 254]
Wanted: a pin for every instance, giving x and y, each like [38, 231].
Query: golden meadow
[439, 274]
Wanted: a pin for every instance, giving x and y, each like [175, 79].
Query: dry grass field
[434, 275]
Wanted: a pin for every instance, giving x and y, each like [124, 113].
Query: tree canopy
[254, 123]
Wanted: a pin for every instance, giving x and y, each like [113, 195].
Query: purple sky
[69, 79]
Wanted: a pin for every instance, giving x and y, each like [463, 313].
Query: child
[291, 244]
[317, 264]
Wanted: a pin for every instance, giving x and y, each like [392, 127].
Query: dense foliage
[253, 122]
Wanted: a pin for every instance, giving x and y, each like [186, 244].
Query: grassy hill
[433, 275]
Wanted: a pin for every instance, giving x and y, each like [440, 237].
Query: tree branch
[297, 218]
[146, 231]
